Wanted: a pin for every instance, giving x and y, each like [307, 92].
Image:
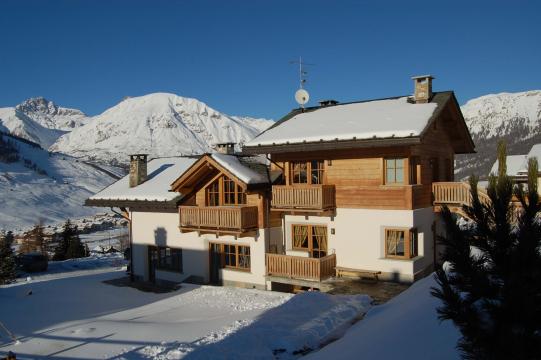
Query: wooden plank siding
[359, 175]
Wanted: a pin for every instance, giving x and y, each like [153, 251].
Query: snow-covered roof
[241, 169]
[514, 164]
[535, 152]
[354, 121]
[161, 173]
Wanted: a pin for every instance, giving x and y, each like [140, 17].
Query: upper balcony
[311, 198]
[233, 220]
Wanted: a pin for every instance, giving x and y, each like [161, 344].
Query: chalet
[334, 189]
[517, 166]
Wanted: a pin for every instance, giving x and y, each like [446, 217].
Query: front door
[152, 263]
[215, 263]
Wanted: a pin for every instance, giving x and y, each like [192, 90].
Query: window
[310, 172]
[434, 165]
[311, 238]
[233, 256]
[224, 191]
[213, 194]
[394, 171]
[299, 173]
[317, 168]
[400, 243]
[415, 170]
[169, 259]
[449, 171]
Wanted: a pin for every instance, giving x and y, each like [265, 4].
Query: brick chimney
[423, 88]
[225, 148]
[138, 169]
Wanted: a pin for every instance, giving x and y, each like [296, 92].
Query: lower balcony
[300, 268]
[227, 220]
[316, 198]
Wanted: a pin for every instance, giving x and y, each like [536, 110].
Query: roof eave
[330, 145]
[161, 204]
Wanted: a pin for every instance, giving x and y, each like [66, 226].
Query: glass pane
[400, 175]
[400, 244]
[390, 176]
[399, 163]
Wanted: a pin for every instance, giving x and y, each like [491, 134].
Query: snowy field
[74, 315]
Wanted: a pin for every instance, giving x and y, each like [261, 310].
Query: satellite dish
[302, 96]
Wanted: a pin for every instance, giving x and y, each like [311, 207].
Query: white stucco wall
[358, 241]
[161, 229]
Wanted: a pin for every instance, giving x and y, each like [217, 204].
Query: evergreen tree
[7, 258]
[64, 241]
[76, 248]
[491, 289]
[33, 241]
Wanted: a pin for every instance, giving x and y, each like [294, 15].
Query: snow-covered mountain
[40, 186]
[40, 120]
[513, 117]
[52, 116]
[158, 124]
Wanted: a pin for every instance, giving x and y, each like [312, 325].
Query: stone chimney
[138, 169]
[423, 88]
[225, 148]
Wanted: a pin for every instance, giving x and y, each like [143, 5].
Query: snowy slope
[40, 120]
[389, 330]
[514, 117]
[44, 186]
[15, 122]
[159, 124]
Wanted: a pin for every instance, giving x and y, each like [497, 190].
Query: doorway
[215, 263]
[152, 263]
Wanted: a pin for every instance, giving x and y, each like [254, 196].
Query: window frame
[309, 167]
[160, 261]
[311, 234]
[411, 243]
[225, 252]
[394, 169]
[238, 194]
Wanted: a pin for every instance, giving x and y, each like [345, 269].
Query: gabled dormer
[225, 194]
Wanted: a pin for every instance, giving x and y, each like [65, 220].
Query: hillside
[159, 124]
[38, 185]
[513, 117]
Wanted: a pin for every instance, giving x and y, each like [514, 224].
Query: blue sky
[234, 55]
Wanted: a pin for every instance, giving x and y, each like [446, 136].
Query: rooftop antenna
[301, 95]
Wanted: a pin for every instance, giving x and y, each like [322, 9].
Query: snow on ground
[77, 316]
[406, 327]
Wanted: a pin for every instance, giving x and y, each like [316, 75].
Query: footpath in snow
[75, 315]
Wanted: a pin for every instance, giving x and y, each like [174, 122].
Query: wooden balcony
[235, 220]
[455, 194]
[301, 268]
[303, 197]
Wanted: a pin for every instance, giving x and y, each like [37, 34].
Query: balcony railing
[303, 197]
[302, 268]
[455, 193]
[236, 219]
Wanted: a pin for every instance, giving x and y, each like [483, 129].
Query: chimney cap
[422, 77]
[328, 102]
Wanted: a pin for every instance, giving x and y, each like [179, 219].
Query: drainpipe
[129, 237]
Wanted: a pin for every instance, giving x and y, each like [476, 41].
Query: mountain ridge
[160, 124]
